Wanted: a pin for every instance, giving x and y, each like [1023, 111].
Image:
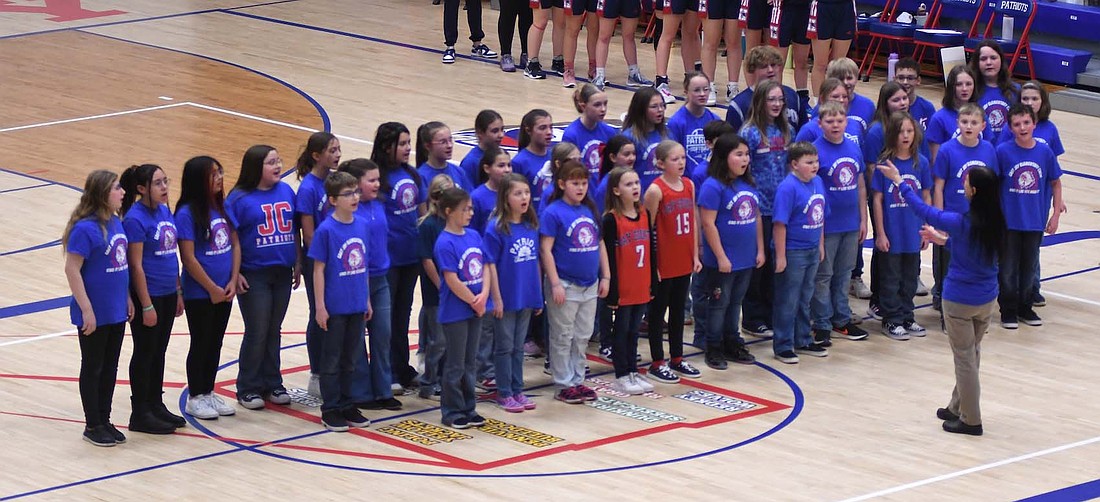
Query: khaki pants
[966, 325]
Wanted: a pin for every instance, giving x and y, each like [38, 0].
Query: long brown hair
[758, 113]
[94, 202]
[503, 212]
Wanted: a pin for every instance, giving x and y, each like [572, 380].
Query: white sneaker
[220, 406]
[731, 91]
[642, 382]
[922, 290]
[626, 385]
[314, 387]
[666, 93]
[859, 289]
[712, 97]
[199, 407]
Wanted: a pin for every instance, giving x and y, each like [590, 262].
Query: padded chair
[885, 29]
[935, 38]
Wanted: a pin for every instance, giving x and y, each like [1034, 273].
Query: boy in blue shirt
[1030, 181]
[798, 225]
[342, 295]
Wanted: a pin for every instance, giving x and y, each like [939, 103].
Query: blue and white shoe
[449, 56]
[638, 80]
[483, 51]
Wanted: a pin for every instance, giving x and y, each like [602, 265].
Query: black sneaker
[1038, 300]
[787, 357]
[459, 423]
[714, 359]
[945, 414]
[476, 420]
[99, 435]
[738, 353]
[1030, 318]
[390, 403]
[533, 71]
[1009, 321]
[813, 349]
[851, 332]
[874, 311]
[958, 427]
[354, 418]
[759, 330]
[823, 337]
[663, 373]
[115, 433]
[334, 421]
[557, 65]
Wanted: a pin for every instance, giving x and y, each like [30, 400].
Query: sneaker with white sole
[685, 369]
[314, 386]
[1009, 321]
[600, 82]
[895, 331]
[525, 402]
[199, 407]
[605, 354]
[922, 290]
[1030, 318]
[760, 330]
[874, 311]
[663, 374]
[510, 404]
[449, 55]
[568, 78]
[859, 289]
[483, 51]
[627, 385]
[251, 401]
[914, 329]
[507, 64]
[334, 421]
[787, 357]
[279, 396]
[220, 405]
[557, 65]
[666, 93]
[642, 382]
[354, 418]
[731, 91]
[638, 80]
[712, 96]
[533, 71]
[813, 349]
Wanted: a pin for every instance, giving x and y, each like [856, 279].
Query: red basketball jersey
[632, 259]
[675, 229]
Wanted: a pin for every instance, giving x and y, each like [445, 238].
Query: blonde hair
[94, 202]
[439, 183]
[840, 68]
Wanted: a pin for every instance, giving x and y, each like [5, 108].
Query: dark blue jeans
[458, 399]
[722, 296]
[793, 289]
[402, 288]
[313, 343]
[263, 308]
[1016, 275]
[340, 345]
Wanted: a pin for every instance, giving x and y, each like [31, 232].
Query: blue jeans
[371, 378]
[263, 308]
[486, 369]
[830, 302]
[458, 399]
[722, 296]
[313, 343]
[402, 288]
[509, 333]
[433, 344]
[897, 284]
[1016, 275]
[340, 345]
[793, 289]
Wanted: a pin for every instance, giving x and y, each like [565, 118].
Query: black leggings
[402, 288]
[150, 344]
[450, 21]
[98, 368]
[509, 11]
[207, 322]
[671, 295]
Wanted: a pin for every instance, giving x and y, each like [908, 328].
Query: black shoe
[557, 65]
[714, 359]
[115, 433]
[958, 427]
[476, 420]
[1038, 300]
[459, 423]
[148, 423]
[946, 415]
[851, 332]
[758, 330]
[391, 404]
[1009, 321]
[1030, 318]
[334, 421]
[737, 353]
[812, 349]
[354, 418]
[99, 436]
[160, 411]
[823, 337]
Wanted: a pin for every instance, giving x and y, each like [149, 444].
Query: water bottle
[891, 64]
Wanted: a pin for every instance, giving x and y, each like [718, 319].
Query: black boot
[160, 411]
[734, 351]
[143, 420]
[714, 358]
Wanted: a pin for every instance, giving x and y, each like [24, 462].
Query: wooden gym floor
[108, 83]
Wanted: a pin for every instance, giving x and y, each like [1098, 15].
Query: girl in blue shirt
[536, 133]
[261, 209]
[489, 128]
[589, 132]
[155, 287]
[211, 256]
[512, 254]
[320, 157]
[686, 125]
[645, 124]
[493, 166]
[463, 301]
[434, 148]
[96, 268]
[994, 88]
[559, 155]
[942, 125]
[403, 195]
[431, 346]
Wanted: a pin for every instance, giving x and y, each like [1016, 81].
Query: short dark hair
[336, 182]
[800, 149]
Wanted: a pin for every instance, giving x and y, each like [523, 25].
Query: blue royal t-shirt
[264, 220]
[861, 110]
[430, 229]
[738, 208]
[874, 141]
[996, 105]
[902, 224]
[589, 142]
[156, 230]
[840, 172]
[647, 153]
[311, 199]
[1045, 132]
[699, 175]
[378, 255]
[427, 173]
[687, 130]
[402, 206]
[462, 255]
[484, 201]
[943, 126]
[537, 170]
[342, 247]
[922, 111]
[105, 272]
[953, 161]
[516, 257]
[768, 162]
[812, 131]
[576, 248]
[469, 163]
[213, 250]
[1026, 176]
[800, 205]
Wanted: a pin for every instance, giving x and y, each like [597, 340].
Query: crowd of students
[761, 217]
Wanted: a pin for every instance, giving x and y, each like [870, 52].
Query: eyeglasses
[162, 182]
[353, 193]
[274, 162]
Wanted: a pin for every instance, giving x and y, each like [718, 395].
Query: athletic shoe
[570, 395]
[1030, 318]
[99, 435]
[642, 382]
[685, 369]
[1039, 300]
[627, 385]
[391, 404]
[220, 406]
[859, 289]
[914, 329]
[599, 82]
[522, 60]
[874, 311]
[738, 353]
[483, 51]
[760, 330]
[823, 337]
[712, 96]
[666, 93]
[486, 385]
[851, 332]
[279, 396]
[314, 386]
[119, 437]
[476, 420]
[459, 423]
[509, 404]
[663, 374]
[531, 349]
[354, 418]
[714, 359]
[546, 367]
[430, 394]
[557, 65]
[199, 407]
[813, 349]
[731, 91]
[524, 401]
[1009, 322]
[586, 392]
[334, 421]
[251, 401]
[507, 64]
[568, 79]
[895, 331]
[638, 80]
[605, 354]
[922, 290]
[787, 357]
[533, 70]
[449, 56]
